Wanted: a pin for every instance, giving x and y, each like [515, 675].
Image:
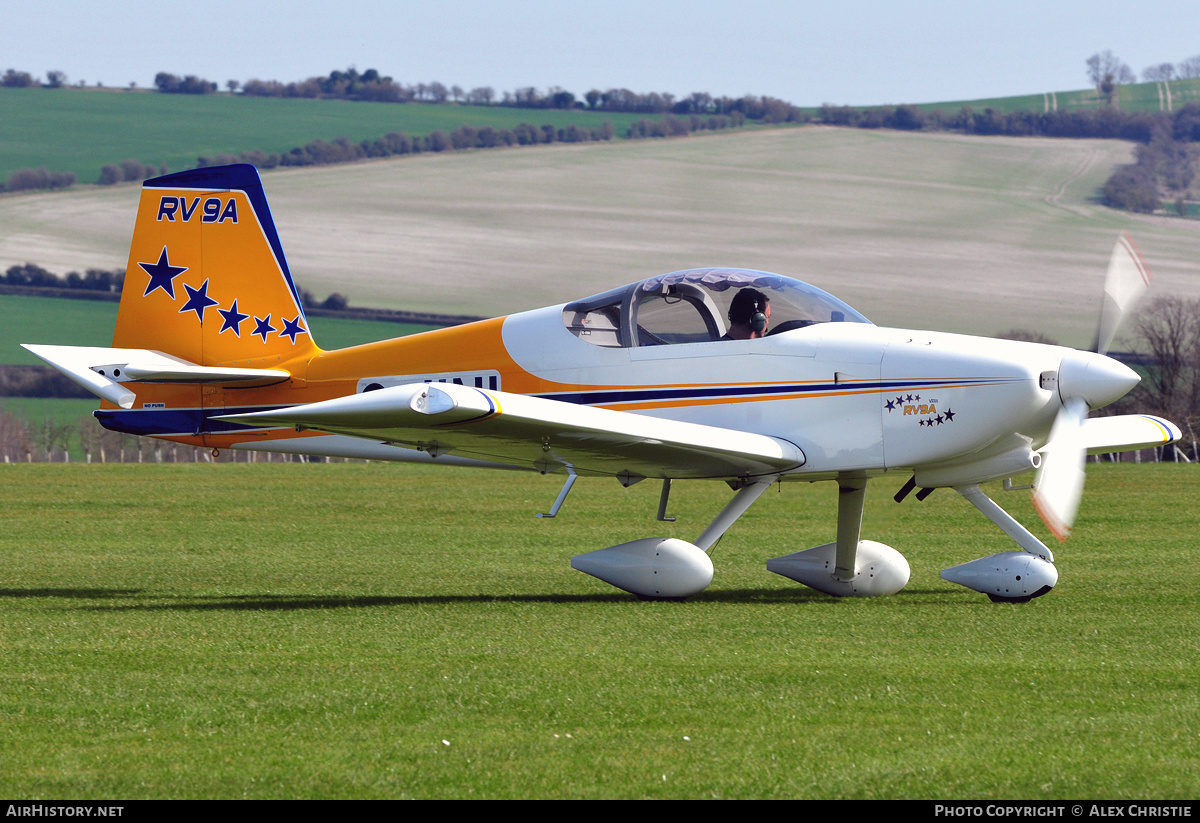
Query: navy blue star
[891, 406]
[162, 274]
[233, 319]
[263, 327]
[939, 420]
[918, 398]
[198, 300]
[910, 398]
[922, 424]
[900, 400]
[949, 415]
[291, 328]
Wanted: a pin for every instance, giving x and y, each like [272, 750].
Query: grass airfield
[950, 232]
[373, 630]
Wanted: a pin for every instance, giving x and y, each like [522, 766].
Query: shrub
[32, 179]
[110, 174]
[1132, 188]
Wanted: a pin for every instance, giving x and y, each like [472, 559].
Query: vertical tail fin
[206, 279]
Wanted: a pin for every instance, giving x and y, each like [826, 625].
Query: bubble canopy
[692, 306]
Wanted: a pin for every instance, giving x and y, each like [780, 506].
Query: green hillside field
[1131, 97]
[80, 130]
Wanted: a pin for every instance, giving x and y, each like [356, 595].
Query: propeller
[1127, 280]
[1088, 380]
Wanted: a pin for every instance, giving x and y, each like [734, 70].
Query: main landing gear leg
[736, 507]
[851, 567]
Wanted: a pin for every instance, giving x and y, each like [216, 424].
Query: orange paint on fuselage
[329, 374]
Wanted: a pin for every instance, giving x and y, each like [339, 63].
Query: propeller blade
[1127, 280]
[1086, 379]
[1058, 485]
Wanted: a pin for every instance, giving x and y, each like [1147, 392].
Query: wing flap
[547, 435]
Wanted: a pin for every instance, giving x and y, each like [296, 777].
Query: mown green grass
[81, 130]
[371, 630]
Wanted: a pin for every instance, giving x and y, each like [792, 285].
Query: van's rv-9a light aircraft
[212, 349]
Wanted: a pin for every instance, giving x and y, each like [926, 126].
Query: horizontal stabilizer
[102, 371]
[547, 435]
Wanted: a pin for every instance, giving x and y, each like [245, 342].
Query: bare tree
[1105, 70]
[481, 96]
[92, 437]
[1169, 330]
[14, 437]
[51, 436]
[1160, 73]
[1189, 68]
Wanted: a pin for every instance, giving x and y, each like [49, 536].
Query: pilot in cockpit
[749, 314]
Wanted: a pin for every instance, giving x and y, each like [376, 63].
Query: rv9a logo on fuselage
[171, 207]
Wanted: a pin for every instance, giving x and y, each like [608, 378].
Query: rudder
[207, 280]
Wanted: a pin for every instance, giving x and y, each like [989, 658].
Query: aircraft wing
[1127, 432]
[546, 435]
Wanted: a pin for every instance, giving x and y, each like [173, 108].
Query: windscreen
[693, 306]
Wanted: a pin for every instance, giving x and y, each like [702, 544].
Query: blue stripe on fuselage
[158, 422]
[611, 396]
[192, 422]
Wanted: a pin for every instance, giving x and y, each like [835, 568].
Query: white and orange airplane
[721, 374]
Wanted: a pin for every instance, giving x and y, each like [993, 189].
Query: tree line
[344, 150]
[1105, 71]
[33, 275]
[371, 86]
[1164, 168]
